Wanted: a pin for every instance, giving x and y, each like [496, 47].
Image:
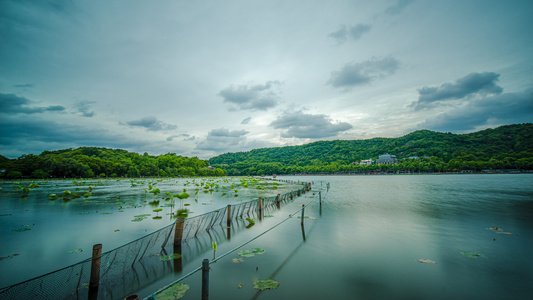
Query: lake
[364, 242]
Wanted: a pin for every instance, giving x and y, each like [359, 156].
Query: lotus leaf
[425, 260]
[137, 219]
[472, 254]
[176, 291]
[267, 284]
[75, 250]
[237, 260]
[251, 252]
[169, 257]
[10, 256]
[157, 210]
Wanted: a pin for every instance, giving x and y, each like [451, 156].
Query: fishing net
[132, 266]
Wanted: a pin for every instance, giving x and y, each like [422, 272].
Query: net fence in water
[134, 265]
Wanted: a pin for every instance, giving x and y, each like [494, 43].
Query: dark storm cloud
[254, 97]
[354, 32]
[222, 139]
[507, 108]
[152, 124]
[398, 7]
[363, 73]
[301, 125]
[18, 132]
[83, 107]
[472, 84]
[13, 104]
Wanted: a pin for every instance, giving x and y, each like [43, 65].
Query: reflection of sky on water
[61, 225]
[373, 228]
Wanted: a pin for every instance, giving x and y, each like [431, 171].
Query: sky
[203, 78]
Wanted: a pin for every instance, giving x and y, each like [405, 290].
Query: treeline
[505, 147]
[103, 162]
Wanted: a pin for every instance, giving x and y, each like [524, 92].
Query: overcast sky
[202, 78]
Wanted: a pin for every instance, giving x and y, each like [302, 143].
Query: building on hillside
[387, 159]
[366, 162]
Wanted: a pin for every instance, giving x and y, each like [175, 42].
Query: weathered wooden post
[292, 196]
[205, 279]
[278, 201]
[178, 231]
[95, 271]
[229, 215]
[303, 209]
[260, 209]
[320, 198]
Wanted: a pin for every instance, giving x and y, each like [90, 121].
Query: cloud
[363, 73]
[186, 137]
[507, 108]
[246, 121]
[152, 124]
[13, 104]
[471, 84]
[222, 139]
[301, 125]
[255, 97]
[355, 32]
[398, 7]
[83, 108]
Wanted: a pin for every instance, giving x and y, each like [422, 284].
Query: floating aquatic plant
[237, 260]
[425, 260]
[10, 256]
[75, 250]
[251, 252]
[169, 257]
[267, 284]
[472, 254]
[175, 291]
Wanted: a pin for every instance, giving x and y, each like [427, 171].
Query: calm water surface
[371, 230]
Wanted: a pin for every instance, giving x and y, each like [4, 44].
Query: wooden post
[303, 209]
[95, 266]
[320, 197]
[260, 209]
[205, 279]
[229, 214]
[178, 231]
[279, 201]
[292, 195]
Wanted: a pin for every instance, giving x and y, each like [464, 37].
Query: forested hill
[103, 162]
[505, 147]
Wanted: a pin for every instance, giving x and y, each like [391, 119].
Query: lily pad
[251, 252]
[75, 250]
[175, 291]
[22, 229]
[269, 216]
[267, 284]
[169, 257]
[10, 256]
[472, 254]
[237, 260]
[142, 216]
[84, 213]
[137, 219]
[426, 261]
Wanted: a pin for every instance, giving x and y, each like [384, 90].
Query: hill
[103, 162]
[505, 147]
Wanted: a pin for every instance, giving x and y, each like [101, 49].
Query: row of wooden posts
[178, 237]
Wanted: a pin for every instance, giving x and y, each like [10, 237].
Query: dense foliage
[103, 162]
[505, 147]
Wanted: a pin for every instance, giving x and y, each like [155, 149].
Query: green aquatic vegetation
[84, 213]
[251, 222]
[75, 250]
[251, 252]
[471, 254]
[182, 213]
[10, 256]
[106, 213]
[142, 216]
[5, 215]
[175, 291]
[267, 284]
[33, 185]
[22, 229]
[157, 210]
[237, 260]
[169, 257]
